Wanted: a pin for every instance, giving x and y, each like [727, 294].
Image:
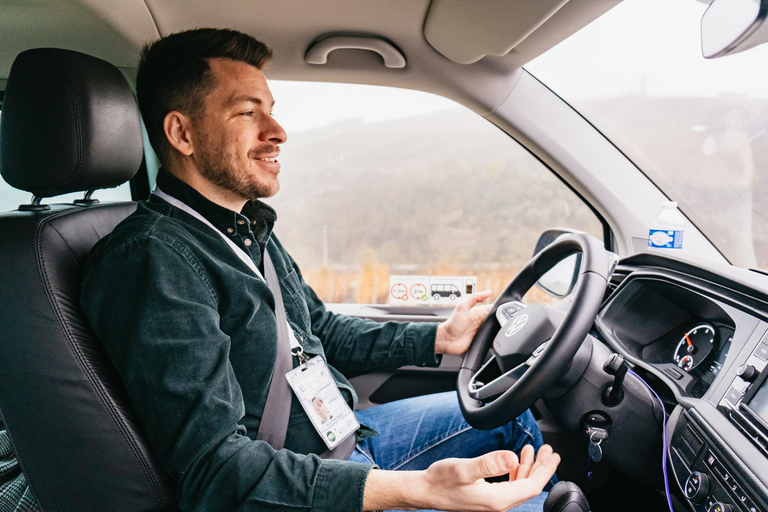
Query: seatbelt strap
[274, 420]
[277, 408]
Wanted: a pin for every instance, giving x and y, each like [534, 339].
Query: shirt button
[240, 222]
[247, 242]
[230, 230]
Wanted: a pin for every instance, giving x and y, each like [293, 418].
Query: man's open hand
[460, 485]
[455, 334]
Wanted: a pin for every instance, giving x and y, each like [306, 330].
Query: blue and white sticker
[665, 239]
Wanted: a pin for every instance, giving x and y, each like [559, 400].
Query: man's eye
[247, 114]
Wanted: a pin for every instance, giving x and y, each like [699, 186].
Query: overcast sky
[641, 46]
[653, 45]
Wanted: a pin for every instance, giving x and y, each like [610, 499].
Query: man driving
[195, 300]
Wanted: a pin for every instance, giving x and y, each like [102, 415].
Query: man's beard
[225, 171]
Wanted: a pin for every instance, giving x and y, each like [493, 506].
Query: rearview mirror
[560, 279]
[732, 26]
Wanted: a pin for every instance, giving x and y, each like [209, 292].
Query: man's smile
[269, 162]
[267, 155]
[270, 159]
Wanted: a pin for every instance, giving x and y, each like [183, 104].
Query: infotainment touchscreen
[759, 402]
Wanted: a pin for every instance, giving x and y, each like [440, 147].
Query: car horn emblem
[517, 324]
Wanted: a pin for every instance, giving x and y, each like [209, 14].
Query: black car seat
[69, 123]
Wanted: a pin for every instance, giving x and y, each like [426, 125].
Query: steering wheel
[538, 343]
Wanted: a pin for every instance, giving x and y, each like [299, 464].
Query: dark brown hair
[174, 74]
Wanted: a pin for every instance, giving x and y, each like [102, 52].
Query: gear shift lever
[566, 497]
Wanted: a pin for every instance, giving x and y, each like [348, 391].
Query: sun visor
[491, 27]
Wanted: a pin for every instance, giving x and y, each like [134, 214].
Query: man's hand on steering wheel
[456, 333]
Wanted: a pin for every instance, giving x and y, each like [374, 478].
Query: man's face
[321, 410]
[236, 139]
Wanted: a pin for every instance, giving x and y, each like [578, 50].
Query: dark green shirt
[192, 332]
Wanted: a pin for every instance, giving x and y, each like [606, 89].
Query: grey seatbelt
[277, 408]
[274, 420]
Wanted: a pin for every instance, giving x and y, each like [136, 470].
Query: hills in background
[449, 193]
[418, 191]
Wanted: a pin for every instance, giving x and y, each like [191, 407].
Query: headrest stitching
[78, 119]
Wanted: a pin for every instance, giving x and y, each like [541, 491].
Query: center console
[713, 478]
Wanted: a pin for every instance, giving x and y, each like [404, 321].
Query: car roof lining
[423, 30]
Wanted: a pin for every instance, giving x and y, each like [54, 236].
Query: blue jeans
[419, 431]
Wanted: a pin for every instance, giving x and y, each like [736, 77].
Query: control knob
[697, 487]
[720, 507]
[748, 372]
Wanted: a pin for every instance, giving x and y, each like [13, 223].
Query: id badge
[320, 396]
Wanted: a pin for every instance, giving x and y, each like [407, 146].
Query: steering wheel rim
[553, 362]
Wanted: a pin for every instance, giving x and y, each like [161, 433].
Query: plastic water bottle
[667, 230]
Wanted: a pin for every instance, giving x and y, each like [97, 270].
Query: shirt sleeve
[155, 312]
[356, 346]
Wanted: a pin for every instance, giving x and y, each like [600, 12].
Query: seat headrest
[69, 123]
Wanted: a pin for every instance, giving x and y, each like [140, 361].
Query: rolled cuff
[339, 486]
[420, 345]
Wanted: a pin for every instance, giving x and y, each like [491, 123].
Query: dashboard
[700, 335]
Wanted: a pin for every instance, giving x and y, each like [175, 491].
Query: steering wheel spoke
[479, 390]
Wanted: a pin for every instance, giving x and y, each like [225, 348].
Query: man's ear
[178, 131]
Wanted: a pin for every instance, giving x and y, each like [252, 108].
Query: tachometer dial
[694, 346]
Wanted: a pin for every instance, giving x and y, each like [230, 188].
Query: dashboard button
[762, 351]
[739, 493]
[711, 459]
[724, 474]
[733, 396]
[751, 507]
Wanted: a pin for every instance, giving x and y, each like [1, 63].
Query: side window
[11, 198]
[378, 182]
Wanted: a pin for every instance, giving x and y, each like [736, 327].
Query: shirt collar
[258, 216]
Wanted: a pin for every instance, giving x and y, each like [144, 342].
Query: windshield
[696, 127]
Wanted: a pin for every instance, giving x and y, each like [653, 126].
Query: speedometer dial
[694, 346]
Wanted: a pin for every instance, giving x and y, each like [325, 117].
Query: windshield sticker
[430, 290]
[664, 239]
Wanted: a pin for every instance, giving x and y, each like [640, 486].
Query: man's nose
[272, 131]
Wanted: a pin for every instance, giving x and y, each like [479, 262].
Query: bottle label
[665, 239]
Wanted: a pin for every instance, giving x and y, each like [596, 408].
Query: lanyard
[274, 287]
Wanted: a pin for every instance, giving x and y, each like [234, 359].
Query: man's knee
[524, 430]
